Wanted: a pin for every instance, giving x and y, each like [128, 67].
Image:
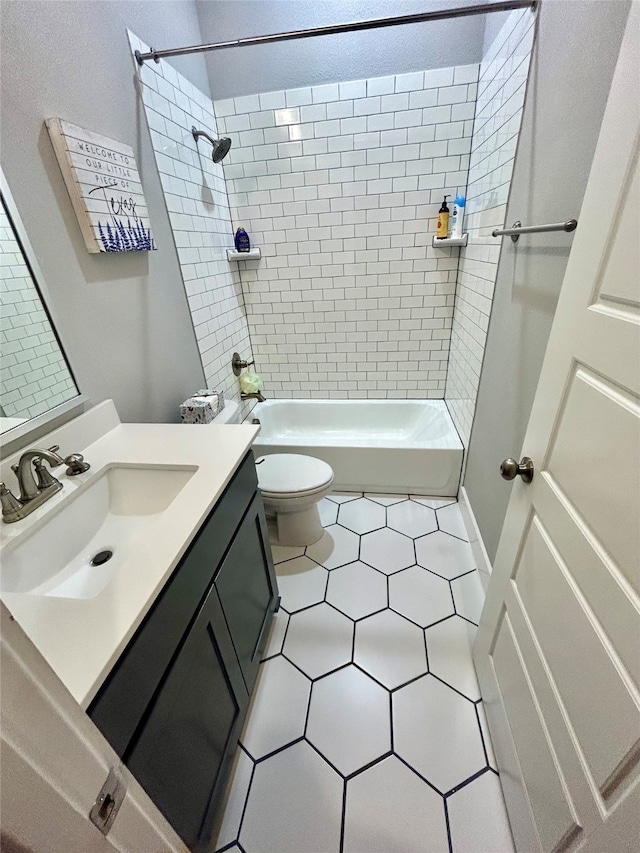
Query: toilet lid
[287, 473]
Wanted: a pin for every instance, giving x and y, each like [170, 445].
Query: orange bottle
[443, 220]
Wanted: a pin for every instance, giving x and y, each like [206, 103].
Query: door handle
[510, 469]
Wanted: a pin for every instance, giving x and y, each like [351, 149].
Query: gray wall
[571, 70]
[123, 319]
[329, 59]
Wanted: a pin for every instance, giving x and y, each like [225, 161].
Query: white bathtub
[402, 446]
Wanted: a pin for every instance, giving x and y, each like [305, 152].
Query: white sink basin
[56, 557]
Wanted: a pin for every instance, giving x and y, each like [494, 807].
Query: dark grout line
[372, 677]
[295, 666]
[410, 681]
[448, 825]
[343, 816]
[455, 689]
[277, 751]
[468, 781]
[418, 774]
[369, 765]
[324, 758]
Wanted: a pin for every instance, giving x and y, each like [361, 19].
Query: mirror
[35, 377]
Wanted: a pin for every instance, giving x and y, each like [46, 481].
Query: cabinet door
[182, 754]
[248, 591]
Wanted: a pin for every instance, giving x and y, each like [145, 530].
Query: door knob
[510, 469]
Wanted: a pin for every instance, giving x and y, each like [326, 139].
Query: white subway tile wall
[33, 373]
[501, 91]
[198, 206]
[339, 185]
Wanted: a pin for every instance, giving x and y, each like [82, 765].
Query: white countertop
[83, 638]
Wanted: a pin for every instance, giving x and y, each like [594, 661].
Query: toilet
[292, 485]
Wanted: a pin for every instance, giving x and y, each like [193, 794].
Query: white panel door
[558, 647]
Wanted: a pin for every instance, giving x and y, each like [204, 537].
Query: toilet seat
[292, 475]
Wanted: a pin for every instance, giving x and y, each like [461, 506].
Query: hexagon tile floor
[366, 732]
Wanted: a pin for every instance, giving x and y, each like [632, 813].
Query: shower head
[220, 146]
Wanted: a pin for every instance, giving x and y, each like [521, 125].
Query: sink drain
[101, 557]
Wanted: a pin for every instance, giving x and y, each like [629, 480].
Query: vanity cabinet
[174, 704]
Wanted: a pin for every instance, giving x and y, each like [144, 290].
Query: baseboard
[483, 563]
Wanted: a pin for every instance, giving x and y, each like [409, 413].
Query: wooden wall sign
[103, 183]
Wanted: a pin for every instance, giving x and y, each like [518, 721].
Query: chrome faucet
[256, 395]
[24, 471]
[33, 494]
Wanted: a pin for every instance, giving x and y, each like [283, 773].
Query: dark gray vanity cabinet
[176, 700]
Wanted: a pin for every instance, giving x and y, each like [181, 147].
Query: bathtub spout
[256, 395]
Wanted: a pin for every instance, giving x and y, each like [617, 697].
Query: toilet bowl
[291, 486]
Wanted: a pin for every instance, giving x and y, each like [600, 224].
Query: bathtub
[394, 446]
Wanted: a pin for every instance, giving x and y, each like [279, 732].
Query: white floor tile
[295, 805]
[318, 640]
[450, 520]
[342, 497]
[276, 634]
[486, 736]
[387, 550]
[449, 648]
[468, 594]
[444, 555]
[436, 731]
[420, 595]
[434, 503]
[278, 709]
[301, 582]
[385, 500]
[390, 649]
[231, 810]
[412, 519]
[285, 552]
[337, 547]
[328, 512]
[362, 515]
[357, 590]
[390, 810]
[349, 719]
[294, 800]
[478, 818]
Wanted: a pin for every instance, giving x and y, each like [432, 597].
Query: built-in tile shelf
[448, 242]
[251, 255]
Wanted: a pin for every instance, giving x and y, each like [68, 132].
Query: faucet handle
[10, 502]
[43, 475]
[76, 464]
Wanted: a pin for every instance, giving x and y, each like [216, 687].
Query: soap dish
[448, 242]
[251, 255]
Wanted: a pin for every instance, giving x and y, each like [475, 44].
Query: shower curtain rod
[354, 26]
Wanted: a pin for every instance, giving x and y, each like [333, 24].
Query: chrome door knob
[510, 469]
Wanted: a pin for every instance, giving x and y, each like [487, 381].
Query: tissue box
[202, 407]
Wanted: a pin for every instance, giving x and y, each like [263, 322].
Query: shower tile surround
[198, 206]
[501, 92]
[366, 731]
[339, 185]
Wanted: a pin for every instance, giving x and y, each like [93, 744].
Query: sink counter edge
[83, 638]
